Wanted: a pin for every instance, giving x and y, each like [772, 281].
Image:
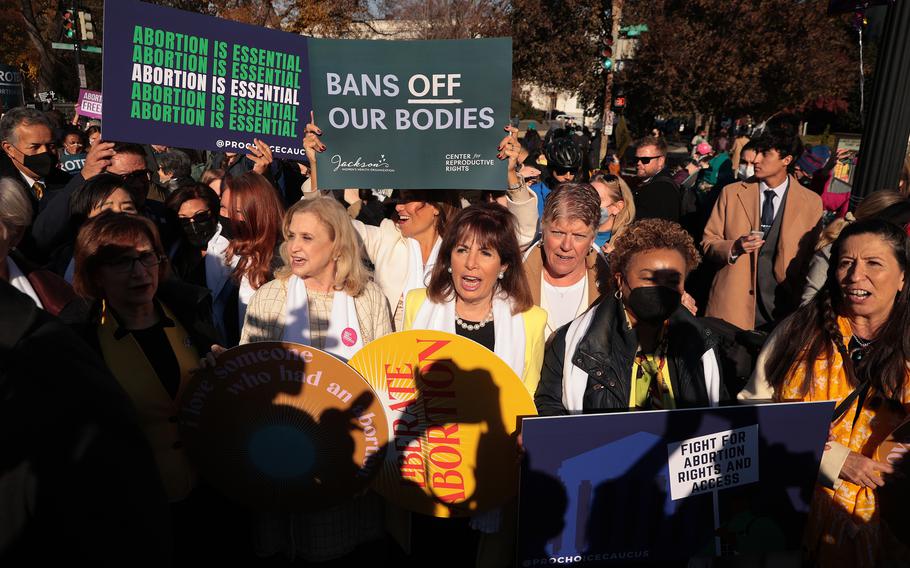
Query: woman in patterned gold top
[856, 352]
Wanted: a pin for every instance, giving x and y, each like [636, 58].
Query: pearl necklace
[474, 326]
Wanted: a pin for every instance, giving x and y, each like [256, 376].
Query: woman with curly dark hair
[638, 348]
[855, 349]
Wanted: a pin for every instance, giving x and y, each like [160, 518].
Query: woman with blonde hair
[871, 206]
[617, 209]
[322, 295]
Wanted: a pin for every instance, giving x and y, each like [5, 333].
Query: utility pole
[616, 13]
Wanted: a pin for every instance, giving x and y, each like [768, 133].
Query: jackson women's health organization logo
[359, 164]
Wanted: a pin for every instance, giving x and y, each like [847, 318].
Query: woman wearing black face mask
[638, 348]
[198, 257]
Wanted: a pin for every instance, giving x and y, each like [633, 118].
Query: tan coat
[735, 214]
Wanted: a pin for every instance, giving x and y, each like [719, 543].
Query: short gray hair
[15, 206]
[18, 116]
[573, 201]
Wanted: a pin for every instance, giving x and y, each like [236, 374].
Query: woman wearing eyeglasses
[150, 334]
[150, 331]
[199, 255]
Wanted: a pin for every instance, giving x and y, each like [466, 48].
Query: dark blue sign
[10, 88]
[665, 485]
[174, 77]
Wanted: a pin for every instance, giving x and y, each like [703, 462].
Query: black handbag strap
[860, 391]
[845, 404]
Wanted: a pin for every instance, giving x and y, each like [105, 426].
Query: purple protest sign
[89, 103]
[174, 77]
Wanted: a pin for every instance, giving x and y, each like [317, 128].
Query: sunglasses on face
[125, 264]
[562, 171]
[646, 159]
[200, 217]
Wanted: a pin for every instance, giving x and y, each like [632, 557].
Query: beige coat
[735, 214]
[265, 316]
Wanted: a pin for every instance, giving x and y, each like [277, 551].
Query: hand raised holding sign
[312, 144]
[98, 159]
[510, 149]
[261, 156]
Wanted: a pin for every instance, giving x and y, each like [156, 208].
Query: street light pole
[616, 12]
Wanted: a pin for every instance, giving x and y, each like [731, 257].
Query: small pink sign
[89, 103]
[349, 336]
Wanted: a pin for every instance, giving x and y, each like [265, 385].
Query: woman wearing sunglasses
[563, 164]
[198, 256]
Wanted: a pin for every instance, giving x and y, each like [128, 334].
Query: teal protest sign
[411, 114]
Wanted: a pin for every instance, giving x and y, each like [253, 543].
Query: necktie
[38, 187]
[767, 211]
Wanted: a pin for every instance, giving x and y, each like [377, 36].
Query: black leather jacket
[606, 353]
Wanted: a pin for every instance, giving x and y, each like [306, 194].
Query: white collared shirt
[778, 196]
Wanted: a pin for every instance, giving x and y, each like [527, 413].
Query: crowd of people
[731, 274]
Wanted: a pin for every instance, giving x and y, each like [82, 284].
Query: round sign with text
[283, 426]
[453, 408]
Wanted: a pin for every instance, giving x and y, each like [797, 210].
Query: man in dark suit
[29, 156]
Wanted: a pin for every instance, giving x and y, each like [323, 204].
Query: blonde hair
[619, 191]
[872, 205]
[15, 206]
[350, 273]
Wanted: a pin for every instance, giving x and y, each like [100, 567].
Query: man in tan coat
[763, 231]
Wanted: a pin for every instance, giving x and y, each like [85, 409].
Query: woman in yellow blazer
[478, 290]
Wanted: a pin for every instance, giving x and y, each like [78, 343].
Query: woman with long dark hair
[856, 351]
[253, 214]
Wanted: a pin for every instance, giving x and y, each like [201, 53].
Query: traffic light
[69, 25]
[87, 31]
[620, 101]
[607, 54]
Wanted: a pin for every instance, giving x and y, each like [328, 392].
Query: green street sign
[72, 47]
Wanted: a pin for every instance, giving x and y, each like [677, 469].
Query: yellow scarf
[843, 528]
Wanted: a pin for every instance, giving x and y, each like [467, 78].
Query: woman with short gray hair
[565, 272]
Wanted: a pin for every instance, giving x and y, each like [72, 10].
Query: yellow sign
[453, 408]
[283, 426]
